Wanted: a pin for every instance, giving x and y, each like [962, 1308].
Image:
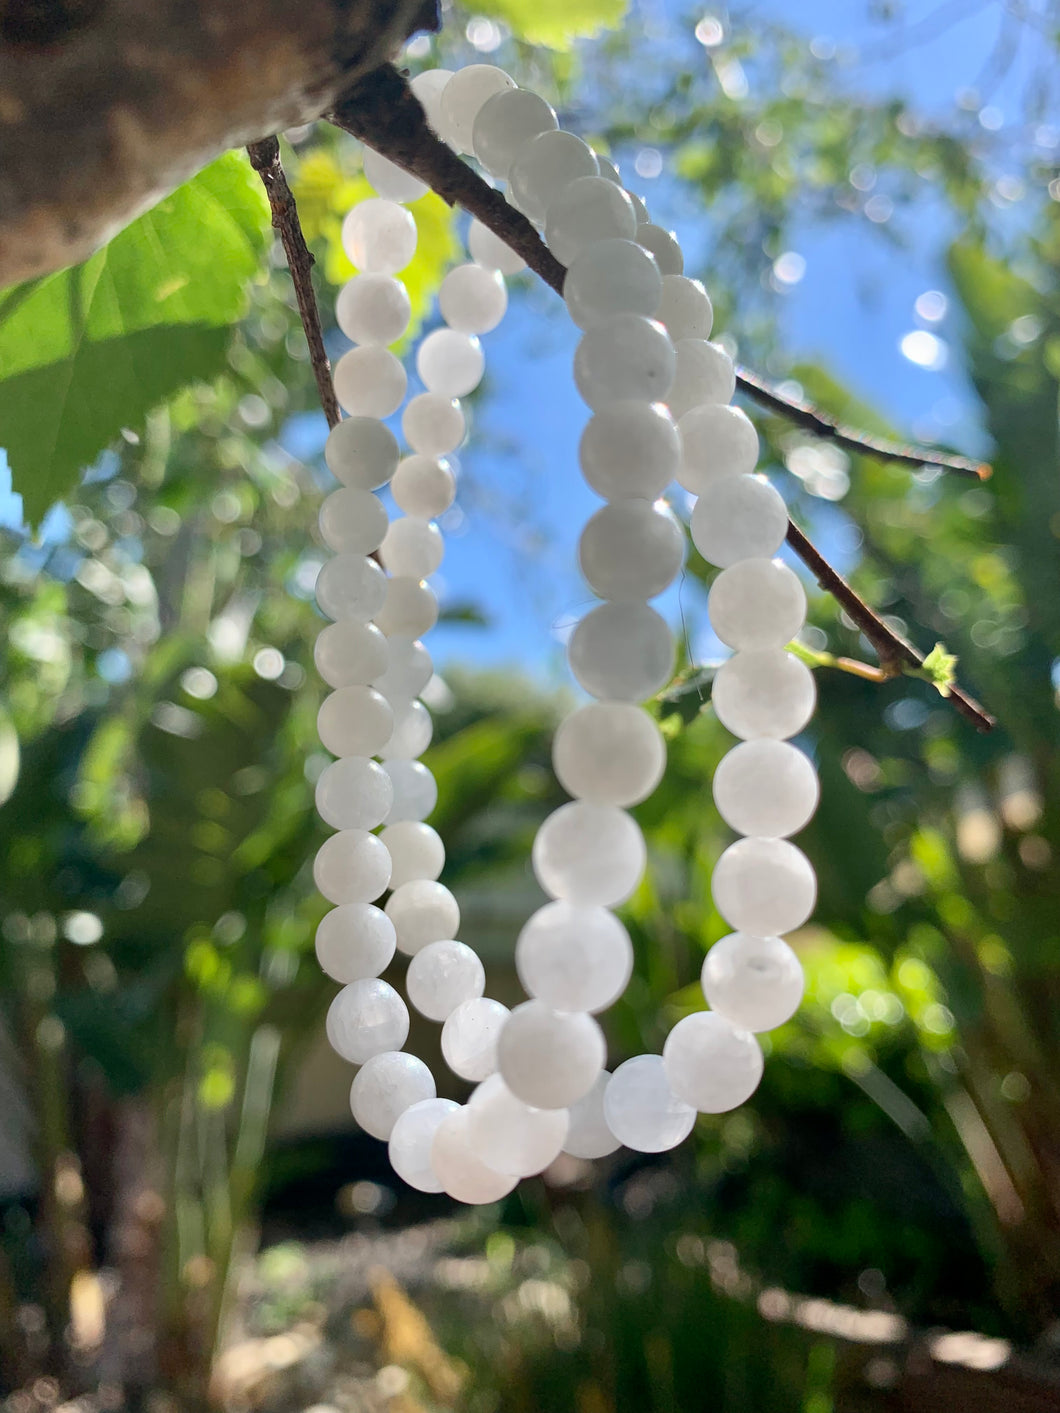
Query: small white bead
[717, 441]
[351, 586]
[642, 1110]
[550, 1058]
[663, 245]
[764, 886]
[407, 672]
[379, 236]
[588, 1135]
[630, 551]
[353, 520]
[354, 793]
[373, 309]
[422, 912]
[768, 693]
[574, 959]
[473, 300]
[704, 372]
[585, 211]
[626, 356]
[441, 976]
[354, 942]
[543, 167]
[413, 548]
[758, 603]
[608, 169]
[423, 486]
[370, 382]
[385, 1087]
[433, 425]
[428, 88]
[415, 790]
[464, 1177]
[757, 982]
[589, 854]
[366, 1018]
[685, 308]
[630, 449]
[449, 363]
[390, 181]
[738, 517]
[350, 654]
[411, 1138]
[505, 123]
[510, 1136]
[416, 851]
[361, 452]
[409, 608]
[470, 1035]
[411, 735]
[492, 253]
[611, 277]
[355, 721]
[352, 867]
[463, 98]
[711, 1064]
[768, 788]
[622, 651]
[611, 753]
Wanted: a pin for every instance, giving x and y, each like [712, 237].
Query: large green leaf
[555, 23]
[90, 350]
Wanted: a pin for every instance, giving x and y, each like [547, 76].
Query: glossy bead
[543, 167]
[408, 670]
[630, 449]
[411, 735]
[584, 212]
[416, 851]
[642, 1110]
[764, 886]
[441, 976]
[370, 382]
[415, 790]
[550, 1058]
[662, 244]
[716, 441]
[379, 236]
[390, 181]
[589, 854]
[492, 253]
[411, 1138]
[574, 959]
[626, 356]
[611, 753]
[758, 603]
[423, 486]
[757, 982]
[422, 912]
[385, 1087]
[355, 721]
[449, 363]
[463, 98]
[361, 452]
[353, 521]
[355, 942]
[510, 1136]
[712, 1064]
[351, 586]
[703, 372]
[639, 208]
[352, 867]
[588, 1135]
[366, 1018]
[373, 309]
[685, 308]
[611, 277]
[463, 1176]
[739, 517]
[428, 87]
[622, 651]
[412, 548]
[350, 654]
[608, 169]
[354, 793]
[470, 1035]
[409, 608]
[768, 693]
[433, 425]
[629, 551]
[473, 300]
[505, 123]
[768, 788]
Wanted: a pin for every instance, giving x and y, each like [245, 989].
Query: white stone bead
[370, 382]
[361, 452]
[505, 123]
[703, 372]
[373, 309]
[588, 1135]
[449, 363]
[353, 521]
[630, 449]
[630, 551]
[351, 586]
[352, 867]
[472, 300]
[407, 672]
[756, 982]
[492, 253]
[589, 854]
[543, 167]
[433, 425]
[758, 603]
[416, 851]
[441, 976]
[663, 245]
[355, 942]
[550, 1058]
[764, 886]
[611, 277]
[366, 1018]
[685, 308]
[354, 793]
[717, 441]
[711, 1064]
[350, 654]
[379, 236]
[464, 1177]
[422, 912]
[768, 788]
[739, 517]
[415, 790]
[574, 959]
[626, 356]
[609, 752]
[428, 87]
[385, 1087]
[390, 181]
[642, 1110]
[409, 608]
[411, 735]
[510, 1136]
[470, 1035]
[413, 548]
[768, 693]
[585, 211]
[463, 98]
[355, 721]
[423, 486]
[622, 651]
[411, 1138]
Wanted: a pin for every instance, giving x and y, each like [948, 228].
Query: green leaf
[555, 23]
[939, 668]
[90, 350]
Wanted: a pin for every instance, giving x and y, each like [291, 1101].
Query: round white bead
[505, 123]
[416, 851]
[608, 169]
[611, 753]
[428, 87]
[423, 486]
[366, 1018]
[373, 309]
[352, 867]
[543, 167]
[354, 793]
[768, 693]
[630, 551]
[472, 300]
[387, 1085]
[711, 1064]
[738, 517]
[611, 277]
[433, 425]
[588, 1135]
[574, 959]
[450, 363]
[510, 1136]
[589, 854]
[353, 521]
[643, 219]
[662, 244]
[390, 181]
[408, 670]
[642, 1110]
[411, 1138]
[411, 735]
[441, 976]
[361, 452]
[756, 982]
[422, 912]
[354, 942]
[470, 1035]
[463, 1176]
[685, 308]
[586, 211]
[415, 790]
[492, 253]
[413, 548]
[717, 441]
[370, 382]
[350, 654]
[355, 721]
[550, 1058]
[703, 372]
[630, 449]
[409, 608]
[351, 586]
[622, 651]
[626, 356]
[758, 603]
[463, 98]
[764, 886]
[768, 788]
[379, 236]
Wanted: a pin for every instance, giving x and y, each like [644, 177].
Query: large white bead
[510, 1136]
[585, 212]
[422, 912]
[588, 1135]
[470, 1035]
[629, 551]
[441, 976]
[415, 790]
[370, 381]
[355, 721]
[472, 300]
[463, 98]
[711, 1064]
[505, 123]
[411, 1138]
[416, 851]
[767, 693]
[768, 788]
[589, 854]
[379, 236]
[550, 1058]
[463, 1176]
[739, 517]
[411, 735]
[423, 486]
[626, 356]
[428, 87]
[354, 942]
[385, 1086]
[685, 308]
[758, 603]
[764, 886]
[543, 167]
[361, 452]
[662, 245]
[622, 651]
[351, 586]
[492, 253]
[412, 547]
[716, 441]
[449, 363]
[408, 670]
[354, 793]
[350, 654]
[630, 449]
[352, 867]
[366, 1018]
[642, 1110]
[609, 752]
[432, 424]
[574, 959]
[373, 309]
[353, 521]
[409, 608]
[390, 181]
[757, 982]
[611, 277]
[703, 372]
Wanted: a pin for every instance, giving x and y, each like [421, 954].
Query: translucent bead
[353, 521]
[409, 608]
[611, 277]
[379, 236]
[449, 363]
[550, 1058]
[630, 551]
[768, 788]
[589, 854]
[423, 486]
[717, 441]
[622, 651]
[711, 1064]
[630, 449]
[685, 308]
[704, 372]
[415, 791]
[626, 356]
[390, 181]
[416, 851]
[412, 548]
[361, 452]
[588, 1135]
[642, 1110]
[463, 98]
[411, 1138]
[352, 867]
[411, 735]
[505, 123]
[408, 670]
[574, 959]
[510, 1136]
[385, 1086]
[663, 245]
[355, 942]
[464, 1177]
[366, 1018]
[585, 211]
[768, 693]
[428, 87]
[351, 586]
[433, 425]
[739, 517]
[441, 976]
[370, 382]
[350, 654]
[470, 1035]
[472, 300]
[373, 309]
[543, 167]
[756, 982]
[355, 721]
[492, 253]
[758, 603]
[611, 753]
[764, 886]
[422, 912]
[354, 793]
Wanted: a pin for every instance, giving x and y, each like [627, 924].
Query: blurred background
[188, 1214]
